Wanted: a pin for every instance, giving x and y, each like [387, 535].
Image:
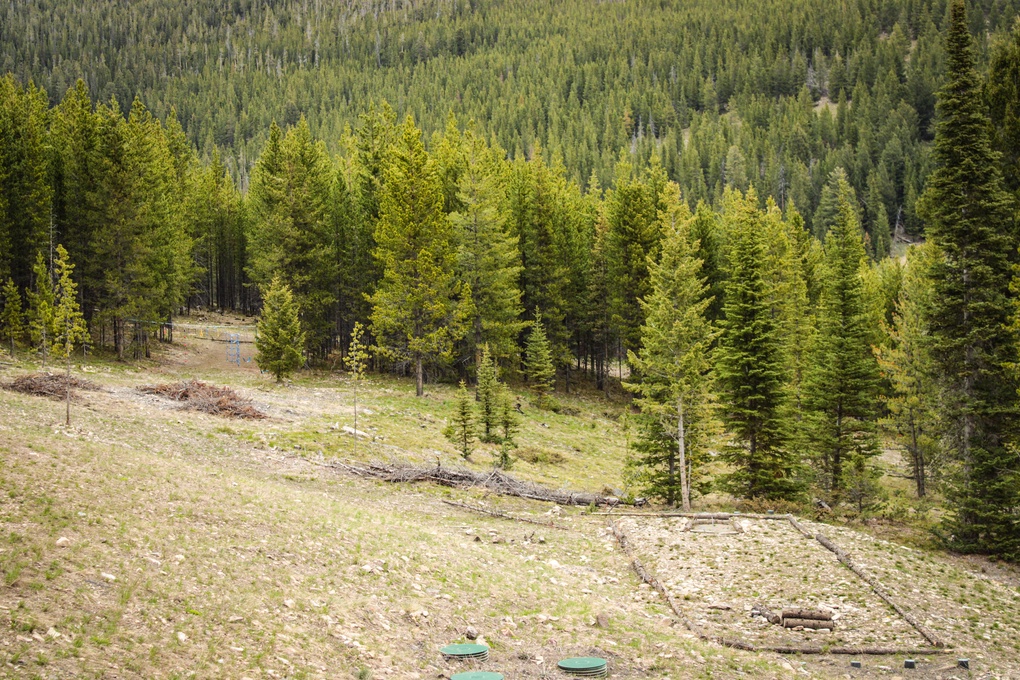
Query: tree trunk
[67, 377]
[685, 489]
[419, 378]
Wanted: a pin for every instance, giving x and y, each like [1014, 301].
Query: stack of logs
[815, 619]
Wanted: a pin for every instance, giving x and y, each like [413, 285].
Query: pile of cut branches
[196, 395]
[49, 384]
[494, 480]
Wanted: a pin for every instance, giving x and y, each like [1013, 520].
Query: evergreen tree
[673, 363]
[599, 318]
[419, 309]
[842, 381]
[291, 236]
[633, 237]
[69, 327]
[488, 259]
[968, 218]
[1002, 90]
[41, 302]
[538, 210]
[487, 393]
[750, 369]
[906, 363]
[538, 362]
[836, 189]
[280, 339]
[25, 191]
[706, 232]
[461, 432]
[509, 423]
[68, 323]
[12, 322]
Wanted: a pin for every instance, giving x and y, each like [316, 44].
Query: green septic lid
[464, 650]
[477, 675]
[583, 663]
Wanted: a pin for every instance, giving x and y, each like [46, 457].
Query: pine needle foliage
[905, 361]
[280, 340]
[12, 321]
[420, 308]
[673, 364]
[487, 394]
[462, 431]
[538, 363]
[69, 329]
[751, 370]
[41, 302]
[842, 382]
[970, 221]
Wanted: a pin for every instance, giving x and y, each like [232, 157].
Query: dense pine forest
[787, 231]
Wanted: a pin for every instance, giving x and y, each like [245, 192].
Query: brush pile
[494, 480]
[196, 395]
[49, 385]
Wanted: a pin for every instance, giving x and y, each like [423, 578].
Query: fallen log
[648, 578]
[503, 515]
[495, 481]
[813, 614]
[813, 624]
[847, 561]
[799, 527]
[767, 614]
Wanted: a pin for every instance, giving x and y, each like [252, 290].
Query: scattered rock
[471, 633]
[52, 632]
[602, 620]
[181, 637]
[235, 619]
[63, 541]
[108, 577]
[288, 603]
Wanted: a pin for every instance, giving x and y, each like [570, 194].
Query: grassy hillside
[149, 541]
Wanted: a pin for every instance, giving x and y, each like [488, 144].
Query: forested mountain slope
[723, 89]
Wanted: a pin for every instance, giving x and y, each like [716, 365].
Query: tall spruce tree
[290, 200]
[1002, 90]
[633, 237]
[673, 363]
[420, 308]
[280, 338]
[967, 215]
[751, 370]
[842, 380]
[25, 191]
[488, 259]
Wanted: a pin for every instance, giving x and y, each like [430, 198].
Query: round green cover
[477, 675]
[464, 650]
[582, 663]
